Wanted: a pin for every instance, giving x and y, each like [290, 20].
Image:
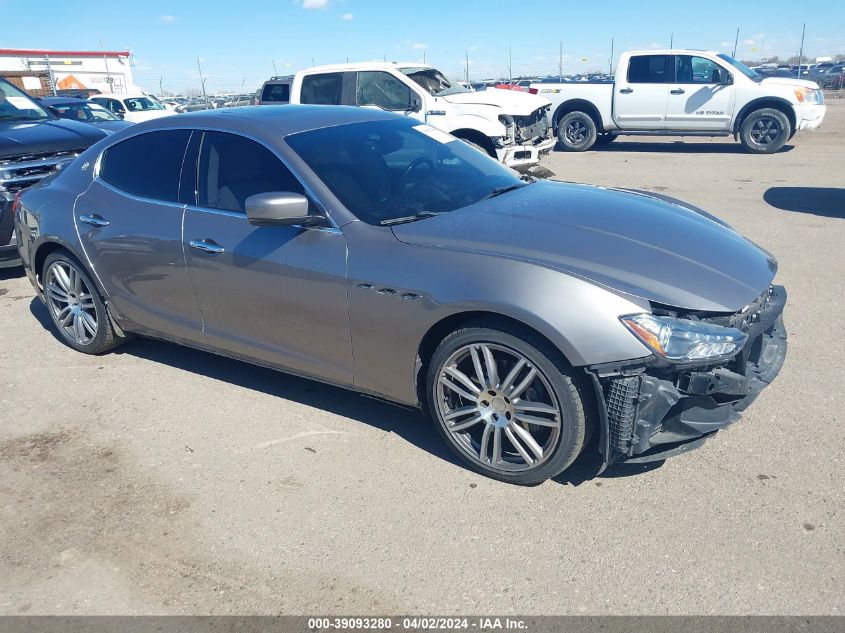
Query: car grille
[744, 318]
[531, 127]
[21, 172]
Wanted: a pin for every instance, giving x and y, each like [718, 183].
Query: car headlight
[682, 340]
[806, 95]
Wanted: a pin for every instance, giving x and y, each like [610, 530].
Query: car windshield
[17, 105]
[745, 70]
[433, 81]
[89, 112]
[141, 104]
[397, 170]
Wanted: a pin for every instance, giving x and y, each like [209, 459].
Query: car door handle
[677, 91]
[626, 91]
[93, 219]
[207, 246]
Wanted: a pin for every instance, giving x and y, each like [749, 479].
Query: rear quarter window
[649, 69]
[147, 165]
[322, 89]
[276, 92]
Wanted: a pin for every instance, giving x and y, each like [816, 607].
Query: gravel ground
[159, 479]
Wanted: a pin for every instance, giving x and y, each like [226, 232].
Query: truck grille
[20, 172]
[532, 127]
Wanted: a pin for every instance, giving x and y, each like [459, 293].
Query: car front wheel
[506, 402]
[765, 131]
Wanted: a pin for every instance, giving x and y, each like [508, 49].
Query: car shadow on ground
[680, 147]
[828, 202]
[11, 273]
[408, 423]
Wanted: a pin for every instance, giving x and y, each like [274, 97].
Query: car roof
[672, 51]
[367, 66]
[282, 119]
[123, 95]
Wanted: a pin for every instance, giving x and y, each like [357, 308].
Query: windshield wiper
[498, 191]
[420, 215]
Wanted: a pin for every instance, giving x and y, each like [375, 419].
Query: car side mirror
[415, 105]
[280, 208]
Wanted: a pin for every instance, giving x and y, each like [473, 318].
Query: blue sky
[239, 40]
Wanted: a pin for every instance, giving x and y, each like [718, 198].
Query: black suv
[33, 141]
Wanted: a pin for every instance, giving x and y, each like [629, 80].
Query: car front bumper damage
[651, 411]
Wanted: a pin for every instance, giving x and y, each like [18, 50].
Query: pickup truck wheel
[506, 403]
[576, 132]
[764, 131]
[476, 146]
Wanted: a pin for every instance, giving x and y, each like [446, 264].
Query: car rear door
[130, 225]
[640, 96]
[274, 294]
[701, 96]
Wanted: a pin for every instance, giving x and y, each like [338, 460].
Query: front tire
[765, 131]
[75, 306]
[506, 402]
[576, 132]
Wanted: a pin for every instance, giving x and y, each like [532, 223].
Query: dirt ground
[159, 479]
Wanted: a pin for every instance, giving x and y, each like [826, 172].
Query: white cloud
[418, 46]
[168, 18]
[725, 44]
[749, 42]
[541, 58]
[314, 4]
[347, 16]
[655, 45]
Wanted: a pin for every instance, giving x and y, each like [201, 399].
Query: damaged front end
[653, 409]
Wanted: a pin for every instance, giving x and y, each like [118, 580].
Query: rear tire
[475, 145]
[576, 132]
[765, 131]
[509, 424]
[75, 306]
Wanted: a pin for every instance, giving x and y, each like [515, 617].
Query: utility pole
[109, 80]
[423, 56]
[202, 83]
[466, 72]
[610, 61]
[510, 63]
[672, 40]
[312, 62]
[275, 72]
[801, 52]
[736, 41]
[560, 63]
[160, 88]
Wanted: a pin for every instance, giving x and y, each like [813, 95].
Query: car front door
[274, 294]
[130, 225]
[640, 96]
[701, 95]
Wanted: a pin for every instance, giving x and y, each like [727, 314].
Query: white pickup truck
[510, 126]
[684, 93]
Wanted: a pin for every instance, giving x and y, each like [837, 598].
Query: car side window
[233, 168]
[322, 89]
[383, 90]
[276, 92]
[649, 69]
[147, 165]
[696, 70]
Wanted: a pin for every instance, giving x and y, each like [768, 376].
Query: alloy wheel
[498, 407]
[576, 132]
[765, 130]
[71, 303]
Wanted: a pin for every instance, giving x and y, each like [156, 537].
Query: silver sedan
[367, 250]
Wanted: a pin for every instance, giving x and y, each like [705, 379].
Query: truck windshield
[433, 81]
[745, 70]
[398, 170]
[16, 104]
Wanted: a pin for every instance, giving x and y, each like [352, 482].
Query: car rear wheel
[765, 131]
[506, 403]
[76, 309]
[576, 132]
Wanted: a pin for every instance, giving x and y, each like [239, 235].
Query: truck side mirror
[725, 77]
[415, 105]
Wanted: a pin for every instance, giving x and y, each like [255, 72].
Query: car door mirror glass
[280, 208]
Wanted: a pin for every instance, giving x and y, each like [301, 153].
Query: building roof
[37, 52]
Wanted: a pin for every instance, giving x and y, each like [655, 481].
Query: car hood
[631, 242]
[789, 81]
[512, 102]
[110, 127]
[51, 135]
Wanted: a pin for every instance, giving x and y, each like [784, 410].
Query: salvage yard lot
[158, 479]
